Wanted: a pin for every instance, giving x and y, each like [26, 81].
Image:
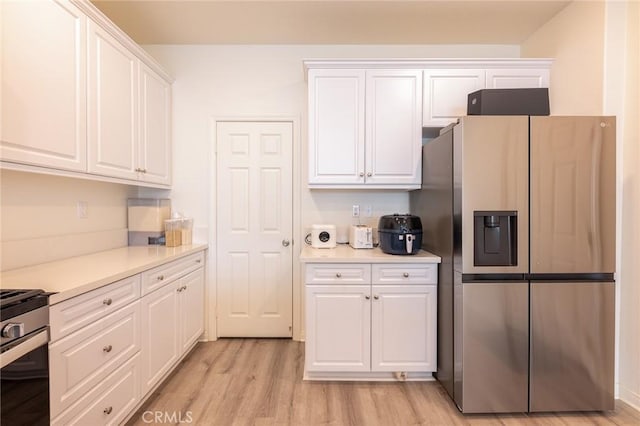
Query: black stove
[24, 358]
[17, 302]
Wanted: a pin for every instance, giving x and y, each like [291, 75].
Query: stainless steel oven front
[24, 359]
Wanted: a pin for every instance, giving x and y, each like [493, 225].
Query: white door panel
[254, 219]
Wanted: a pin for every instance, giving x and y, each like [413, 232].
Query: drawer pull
[406, 275]
[107, 301]
[108, 410]
[107, 348]
[338, 275]
[160, 277]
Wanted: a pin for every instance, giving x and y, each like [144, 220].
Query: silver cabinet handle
[369, 174]
[107, 301]
[179, 289]
[406, 275]
[338, 275]
[361, 174]
[184, 287]
[285, 243]
[367, 297]
[376, 297]
[160, 277]
[198, 260]
[108, 410]
[107, 348]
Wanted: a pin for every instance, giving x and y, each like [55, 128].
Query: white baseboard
[630, 397]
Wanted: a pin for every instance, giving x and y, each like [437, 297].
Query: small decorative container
[173, 232]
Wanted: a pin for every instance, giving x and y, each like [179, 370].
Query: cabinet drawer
[73, 314]
[157, 277]
[110, 402]
[83, 359]
[405, 274]
[348, 273]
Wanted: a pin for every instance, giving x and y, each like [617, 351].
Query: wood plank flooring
[259, 382]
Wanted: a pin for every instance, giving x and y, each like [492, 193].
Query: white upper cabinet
[155, 127]
[113, 106]
[336, 127]
[446, 90]
[79, 96]
[515, 78]
[364, 128]
[445, 94]
[393, 143]
[43, 120]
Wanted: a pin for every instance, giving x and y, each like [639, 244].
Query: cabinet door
[338, 328]
[336, 126]
[403, 328]
[160, 328]
[393, 127]
[446, 92]
[155, 127]
[191, 308]
[113, 109]
[43, 120]
[516, 78]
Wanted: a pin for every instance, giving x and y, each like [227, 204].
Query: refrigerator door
[572, 346]
[491, 162]
[494, 349]
[573, 194]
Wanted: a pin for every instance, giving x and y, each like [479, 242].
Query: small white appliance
[323, 236]
[361, 237]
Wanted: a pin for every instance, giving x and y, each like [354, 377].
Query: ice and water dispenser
[495, 240]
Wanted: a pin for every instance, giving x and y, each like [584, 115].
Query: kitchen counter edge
[74, 276]
[346, 254]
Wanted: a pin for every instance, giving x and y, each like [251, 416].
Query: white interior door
[254, 229]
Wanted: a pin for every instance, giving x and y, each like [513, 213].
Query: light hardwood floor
[259, 382]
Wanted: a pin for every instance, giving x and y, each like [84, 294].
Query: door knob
[286, 243]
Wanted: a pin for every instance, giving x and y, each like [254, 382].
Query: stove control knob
[13, 330]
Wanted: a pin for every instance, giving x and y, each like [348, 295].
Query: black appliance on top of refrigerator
[521, 210]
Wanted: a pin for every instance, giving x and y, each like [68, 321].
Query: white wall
[39, 221]
[252, 81]
[574, 38]
[622, 98]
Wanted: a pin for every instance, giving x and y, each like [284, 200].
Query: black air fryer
[400, 234]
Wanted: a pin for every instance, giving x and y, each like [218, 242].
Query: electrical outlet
[355, 212]
[82, 209]
[367, 211]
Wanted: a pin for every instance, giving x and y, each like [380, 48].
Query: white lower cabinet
[160, 334]
[110, 402]
[387, 324]
[110, 347]
[403, 319]
[172, 321]
[338, 328]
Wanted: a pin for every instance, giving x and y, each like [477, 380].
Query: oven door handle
[33, 342]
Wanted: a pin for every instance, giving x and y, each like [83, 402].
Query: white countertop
[77, 275]
[343, 253]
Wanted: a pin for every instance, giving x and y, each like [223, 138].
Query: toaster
[361, 237]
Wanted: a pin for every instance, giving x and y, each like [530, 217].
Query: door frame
[212, 289]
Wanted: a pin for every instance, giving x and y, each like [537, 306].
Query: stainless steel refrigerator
[522, 211]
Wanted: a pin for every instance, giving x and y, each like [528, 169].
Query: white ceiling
[329, 22]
